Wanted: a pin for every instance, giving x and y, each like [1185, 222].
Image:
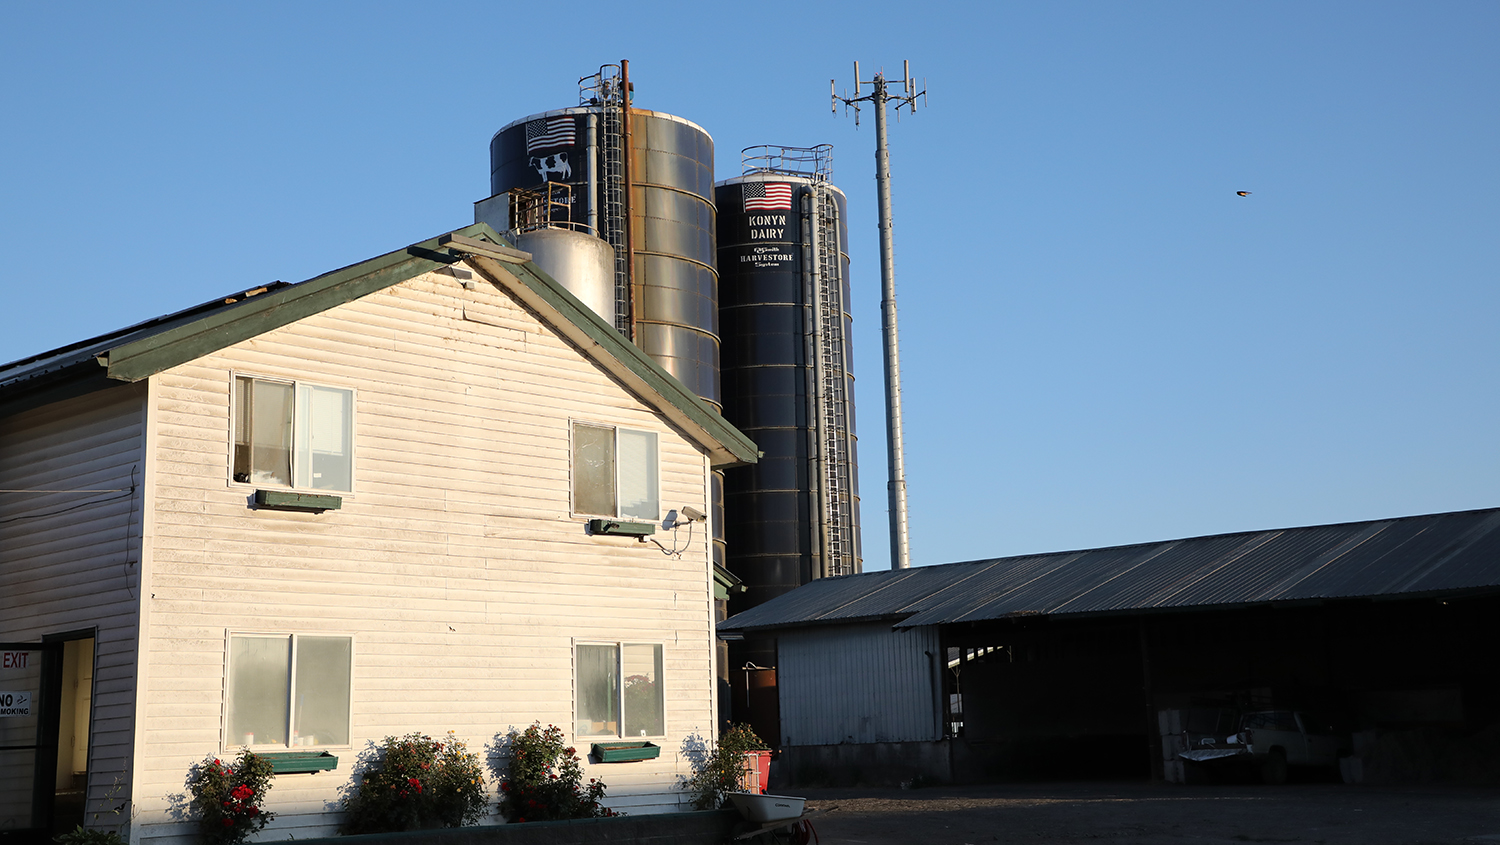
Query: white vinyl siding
[458, 569]
[72, 561]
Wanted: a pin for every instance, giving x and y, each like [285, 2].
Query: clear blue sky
[1101, 343]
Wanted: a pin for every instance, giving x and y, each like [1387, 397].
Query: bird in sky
[1242, 193]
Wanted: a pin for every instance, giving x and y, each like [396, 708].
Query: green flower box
[619, 528]
[625, 752]
[283, 501]
[299, 762]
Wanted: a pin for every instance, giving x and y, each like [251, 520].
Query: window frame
[661, 683]
[573, 478]
[297, 385]
[226, 742]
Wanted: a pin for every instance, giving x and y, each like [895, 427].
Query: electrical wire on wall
[122, 493]
[672, 523]
[676, 552]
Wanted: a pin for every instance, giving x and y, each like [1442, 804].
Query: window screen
[598, 685]
[258, 688]
[638, 483]
[325, 453]
[593, 470]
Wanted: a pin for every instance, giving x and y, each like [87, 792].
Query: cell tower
[880, 95]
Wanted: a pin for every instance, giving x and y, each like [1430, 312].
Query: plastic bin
[756, 775]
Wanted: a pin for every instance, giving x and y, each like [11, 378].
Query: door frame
[44, 773]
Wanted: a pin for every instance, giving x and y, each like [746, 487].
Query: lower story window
[619, 690]
[288, 690]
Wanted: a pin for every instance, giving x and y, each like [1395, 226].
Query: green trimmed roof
[148, 348]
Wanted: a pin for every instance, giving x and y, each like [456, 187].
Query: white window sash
[636, 478]
[621, 713]
[289, 722]
[321, 426]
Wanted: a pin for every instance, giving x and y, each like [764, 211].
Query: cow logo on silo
[550, 134]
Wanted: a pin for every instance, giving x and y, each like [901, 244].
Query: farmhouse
[430, 492]
[1086, 663]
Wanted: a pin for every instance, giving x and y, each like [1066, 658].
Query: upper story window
[615, 472]
[291, 434]
[288, 691]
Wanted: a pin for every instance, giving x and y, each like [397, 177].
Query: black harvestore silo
[787, 373]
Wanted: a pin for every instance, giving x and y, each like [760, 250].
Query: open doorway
[75, 709]
[30, 682]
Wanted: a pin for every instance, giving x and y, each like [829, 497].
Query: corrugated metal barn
[1065, 664]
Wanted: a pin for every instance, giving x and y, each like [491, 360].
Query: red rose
[229, 822]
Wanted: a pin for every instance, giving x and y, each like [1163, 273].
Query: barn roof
[139, 351]
[1406, 557]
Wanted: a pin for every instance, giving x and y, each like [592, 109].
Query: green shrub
[228, 798]
[417, 783]
[720, 771]
[544, 780]
[115, 834]
[89, 836]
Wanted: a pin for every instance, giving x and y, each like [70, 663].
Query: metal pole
[593, 168]
[896, 486]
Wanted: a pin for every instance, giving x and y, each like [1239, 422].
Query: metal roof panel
[1420, 554]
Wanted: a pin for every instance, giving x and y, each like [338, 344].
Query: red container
[757, 772]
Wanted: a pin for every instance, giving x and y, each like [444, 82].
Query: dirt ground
[1145, 814]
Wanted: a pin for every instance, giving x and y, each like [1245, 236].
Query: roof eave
[133, 360]
[77, 379]
[142, 358]
[896, 620]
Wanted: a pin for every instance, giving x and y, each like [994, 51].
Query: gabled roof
[1438, 554]
[142, 350]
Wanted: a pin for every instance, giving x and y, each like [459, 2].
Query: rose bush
[544, 780]
[228, 799]
[417, 783]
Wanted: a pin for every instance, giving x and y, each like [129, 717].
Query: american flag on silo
[549, 133]
[768, 196]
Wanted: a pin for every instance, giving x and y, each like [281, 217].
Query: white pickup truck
[1273, 740]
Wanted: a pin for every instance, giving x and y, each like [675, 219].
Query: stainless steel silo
[643, 182]
[787, 372]
[654, 205]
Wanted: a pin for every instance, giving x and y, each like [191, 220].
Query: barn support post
[1153, 732]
